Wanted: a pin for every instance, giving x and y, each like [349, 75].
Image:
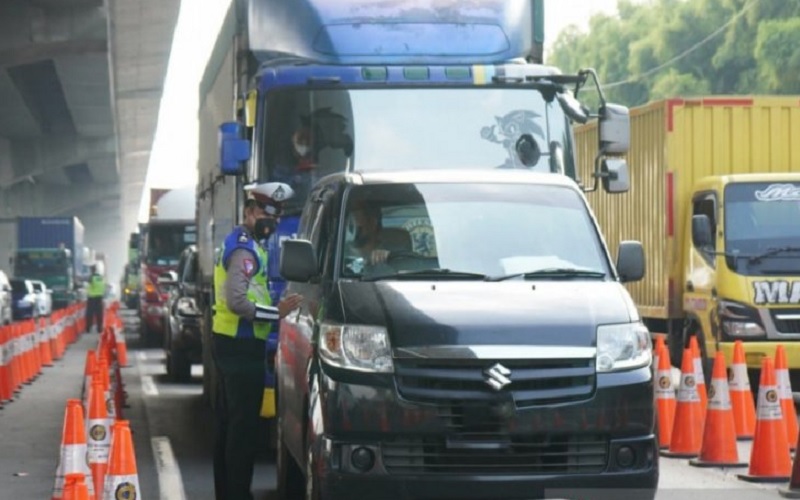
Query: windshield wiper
[436, 273]
[772, 252]
[552, 272]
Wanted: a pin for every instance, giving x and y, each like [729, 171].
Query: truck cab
[493, 353]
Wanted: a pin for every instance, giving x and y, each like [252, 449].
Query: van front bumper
[413, 450]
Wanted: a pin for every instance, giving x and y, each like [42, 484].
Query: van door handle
[689, 286]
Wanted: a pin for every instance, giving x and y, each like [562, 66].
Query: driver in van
[372, 241]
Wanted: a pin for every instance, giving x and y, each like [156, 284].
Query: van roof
[472, 176]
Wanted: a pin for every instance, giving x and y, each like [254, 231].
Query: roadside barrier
[665, 398]
[73, 448]
[744, 409]
[687, 428]
[122, 479]
[770, 460]
[719, 432]
[785, 393]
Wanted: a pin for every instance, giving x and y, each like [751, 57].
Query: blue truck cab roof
[356, 32]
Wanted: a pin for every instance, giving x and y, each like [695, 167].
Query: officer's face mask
[265, 226]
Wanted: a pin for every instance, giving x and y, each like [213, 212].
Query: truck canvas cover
[396, 32]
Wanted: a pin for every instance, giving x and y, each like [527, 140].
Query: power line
[684, 53]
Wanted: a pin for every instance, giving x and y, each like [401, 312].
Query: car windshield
[312, 133]
[166, 242]
[763, 220]
[467, 231]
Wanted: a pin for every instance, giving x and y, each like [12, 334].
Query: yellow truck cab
[723, 167]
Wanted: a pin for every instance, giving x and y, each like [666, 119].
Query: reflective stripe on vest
[97, 286]
[225, 322]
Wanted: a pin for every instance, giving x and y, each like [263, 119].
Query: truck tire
[179, 368]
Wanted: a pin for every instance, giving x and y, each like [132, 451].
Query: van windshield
[487, 230]
[313, 133]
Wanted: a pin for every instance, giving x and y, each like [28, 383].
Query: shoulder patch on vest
[249, 265]
[243, 238]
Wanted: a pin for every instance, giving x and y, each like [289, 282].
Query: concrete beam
[36, 199]
[30, 54]
[37, 157]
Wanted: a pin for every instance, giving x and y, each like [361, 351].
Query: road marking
[148, 386]
[142, 356]
[170, 483]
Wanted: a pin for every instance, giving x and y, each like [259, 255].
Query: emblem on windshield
[497, 376]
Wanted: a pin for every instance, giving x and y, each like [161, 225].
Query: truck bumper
[754, 351]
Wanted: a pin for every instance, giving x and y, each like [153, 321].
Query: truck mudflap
[754, 351]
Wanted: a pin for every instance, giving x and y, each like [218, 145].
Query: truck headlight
[622, 347]
[739, 320]
[356, 347]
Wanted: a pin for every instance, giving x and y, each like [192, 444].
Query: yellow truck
[715, 200]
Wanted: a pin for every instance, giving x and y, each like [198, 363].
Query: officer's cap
[270, 194]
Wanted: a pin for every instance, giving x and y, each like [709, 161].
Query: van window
[488, 229]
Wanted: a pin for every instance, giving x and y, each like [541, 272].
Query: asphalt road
[173, 434]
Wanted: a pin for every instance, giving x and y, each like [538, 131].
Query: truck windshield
[762, 224]
[467, 231]
[40, 263]
[313, 133]
[165, 242]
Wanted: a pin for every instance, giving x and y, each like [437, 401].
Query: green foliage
[679, 48]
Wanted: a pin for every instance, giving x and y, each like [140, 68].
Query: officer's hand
[378, 256]
[289, 304]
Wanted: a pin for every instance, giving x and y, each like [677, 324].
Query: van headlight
[622, 347]
[356, 347]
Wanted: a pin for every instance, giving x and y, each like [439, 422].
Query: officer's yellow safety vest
[225, 322]
[97, 286]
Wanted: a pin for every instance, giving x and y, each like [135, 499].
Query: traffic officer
[243, 318]
[94, 304]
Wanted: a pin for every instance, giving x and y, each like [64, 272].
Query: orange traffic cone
[657, 350]
[665, 398]
[89, 368]
[719, 431]
[686, 429]
[785, 393]
[73, 448]
[744, 410]
[770, 460]
[699, 374]
[122, 480]
[122, 347]
[99, 435]
[75, 488]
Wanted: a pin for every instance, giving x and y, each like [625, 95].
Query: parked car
[44, 298]
[23, 299]
[182, 342]
[6, 314]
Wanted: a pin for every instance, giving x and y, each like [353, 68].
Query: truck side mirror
[615, 175]
[701, 232]
[572, 107]
[630, 261]
[614, 129]
[233, 150]
[298, 261]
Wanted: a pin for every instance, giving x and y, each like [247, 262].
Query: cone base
[744, 438]
[790, 493]
[763, 479]
[678, 454]
[702, 463]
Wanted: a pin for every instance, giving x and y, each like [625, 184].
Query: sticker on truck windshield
[776, 292]
[779, 192]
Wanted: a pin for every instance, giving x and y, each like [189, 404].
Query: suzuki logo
[497, 376]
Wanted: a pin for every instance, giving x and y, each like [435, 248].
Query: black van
[482, 346]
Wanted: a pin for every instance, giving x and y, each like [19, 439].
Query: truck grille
[786, 320]
[541, 454]
[534, 382]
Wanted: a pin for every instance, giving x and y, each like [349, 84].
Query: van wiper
[773, 251]
[552, 272]
[435, 273]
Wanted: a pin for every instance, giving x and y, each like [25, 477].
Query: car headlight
[622, 347]
[187, 307]
[356, 347]
[739, 320]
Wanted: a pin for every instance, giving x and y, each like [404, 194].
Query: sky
[173, 161]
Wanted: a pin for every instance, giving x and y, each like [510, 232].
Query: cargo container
[51, 249]
[8, 243]
[716, 204]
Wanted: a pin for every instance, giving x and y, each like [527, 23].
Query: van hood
[481, 313]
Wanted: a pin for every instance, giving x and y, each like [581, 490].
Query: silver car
[44, 298]
[5, 299]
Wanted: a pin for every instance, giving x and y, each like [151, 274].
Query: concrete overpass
[80, 89]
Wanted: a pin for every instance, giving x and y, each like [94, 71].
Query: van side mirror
[233, 150]
[614, 129]
[701, 231]
[630, 261]
[168, 278]
[615, 175]
[298, 261]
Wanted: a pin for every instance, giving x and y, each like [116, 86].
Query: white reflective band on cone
[99, 437]
[739, 380]
[769, 405]
[784, 385]
[121, 487]
[687, 393]
[664, 388]
[718, 395]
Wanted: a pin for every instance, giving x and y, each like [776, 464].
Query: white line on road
[148, 386]
[142, 356]
[170, 483]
